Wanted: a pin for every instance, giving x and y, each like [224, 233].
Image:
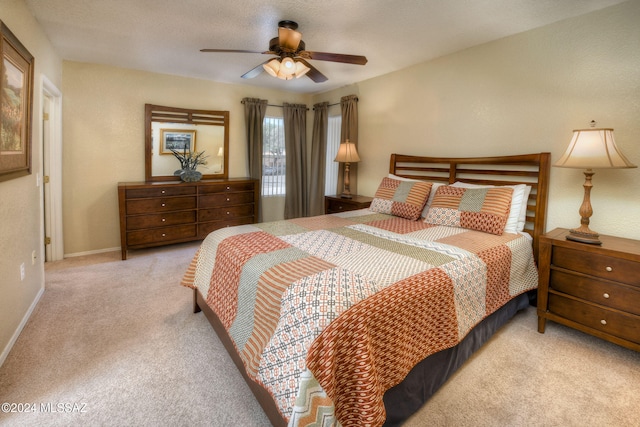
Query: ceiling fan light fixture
[301, 70]
[287, 66]
[272, 67]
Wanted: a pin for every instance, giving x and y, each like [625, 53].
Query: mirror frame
[158, 113]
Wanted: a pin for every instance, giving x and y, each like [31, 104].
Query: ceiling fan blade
[232, 51]
[334, 57]
[255, 72]
[288, 38]
[313, 72]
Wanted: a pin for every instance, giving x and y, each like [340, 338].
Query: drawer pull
[228, 199]
[163, 205]
[228, 212]
[163, 220]
[609, 269]
[164, 235]
[163, 191]
[604, 322]
[606, 295]
[228, 188]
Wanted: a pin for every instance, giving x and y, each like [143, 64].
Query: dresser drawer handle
[606, 295]
[228, 199]
[604, 322]
[163, 205]
[163, 191]
[228, 188]
[164, 235]
[228, 213]
[163, 220]
[609, 269]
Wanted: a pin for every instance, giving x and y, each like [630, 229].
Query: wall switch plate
[22, 271]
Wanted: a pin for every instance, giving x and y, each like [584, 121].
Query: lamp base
[589, 237]
[346, 196]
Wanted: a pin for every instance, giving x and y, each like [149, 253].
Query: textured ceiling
[166, 36]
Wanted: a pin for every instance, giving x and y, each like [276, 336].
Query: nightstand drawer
[597, 265]
[608, 294]
[616, 323]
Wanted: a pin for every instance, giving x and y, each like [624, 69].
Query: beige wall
[104, 139]
[520, 94]
[21, 222]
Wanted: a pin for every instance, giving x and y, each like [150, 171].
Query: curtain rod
[270, 105]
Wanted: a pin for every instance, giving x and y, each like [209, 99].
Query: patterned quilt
[329, 312]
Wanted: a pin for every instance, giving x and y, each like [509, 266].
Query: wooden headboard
[530, 169]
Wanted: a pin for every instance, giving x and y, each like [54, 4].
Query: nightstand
[592, 288]
[336, 204]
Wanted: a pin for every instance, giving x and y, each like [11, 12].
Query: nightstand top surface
[625, 248]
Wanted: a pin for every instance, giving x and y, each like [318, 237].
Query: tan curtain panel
[296, 201]
[254, 112]
[318, 158]
[349, 130]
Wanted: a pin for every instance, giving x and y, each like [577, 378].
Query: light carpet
[115, 343]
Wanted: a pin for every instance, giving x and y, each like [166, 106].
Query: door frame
[52, 167]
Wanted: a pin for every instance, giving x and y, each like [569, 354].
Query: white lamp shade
[347, 153]
[593, 149]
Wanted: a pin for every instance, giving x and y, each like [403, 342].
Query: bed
[357, 318]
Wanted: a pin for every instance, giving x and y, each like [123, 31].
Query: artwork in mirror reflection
[182, 137]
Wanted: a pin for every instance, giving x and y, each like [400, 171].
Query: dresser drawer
[219, 214]
[161, 220]
[606, 267]
[609, 294]
[173, 190]
[619, 324]
[225, 199]
[227, 187]
[163, 204]
[204, 228]
[163, 234]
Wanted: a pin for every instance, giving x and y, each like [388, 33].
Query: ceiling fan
[291, 61]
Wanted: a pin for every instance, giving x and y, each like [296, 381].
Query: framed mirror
[185, 130]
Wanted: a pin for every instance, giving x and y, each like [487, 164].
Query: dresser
[162, 213]
[336, 204]
[592, 288]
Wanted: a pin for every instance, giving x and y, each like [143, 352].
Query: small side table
[592, 288]
[336, 204]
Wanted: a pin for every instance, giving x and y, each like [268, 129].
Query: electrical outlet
[33, 258]
[22, 271]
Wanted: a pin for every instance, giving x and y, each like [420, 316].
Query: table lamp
[347, 154]
[589, 149]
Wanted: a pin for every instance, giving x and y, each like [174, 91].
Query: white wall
[521, 94]
[21, 222]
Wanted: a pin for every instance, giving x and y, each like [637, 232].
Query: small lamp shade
[347, 153]
[285, 69]
[593, 149]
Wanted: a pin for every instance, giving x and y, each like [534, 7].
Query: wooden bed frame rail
[529, 169]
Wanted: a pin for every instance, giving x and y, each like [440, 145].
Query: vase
[190, 175]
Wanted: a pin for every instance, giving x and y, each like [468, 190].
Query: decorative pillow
[482, 209]
[519, 201]
[434, 187]
[401, 198]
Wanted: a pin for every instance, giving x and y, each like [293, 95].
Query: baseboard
[16, 334]
[98, 251]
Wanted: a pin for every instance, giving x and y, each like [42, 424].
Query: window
[331, 167]
[273, 157]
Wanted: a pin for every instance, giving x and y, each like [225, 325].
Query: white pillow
[518, 212]
[434, 187]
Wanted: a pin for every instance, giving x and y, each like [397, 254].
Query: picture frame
[16, 106]
[181, 140]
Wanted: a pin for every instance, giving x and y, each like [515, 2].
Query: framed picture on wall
[16, 106]
[183, 141]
